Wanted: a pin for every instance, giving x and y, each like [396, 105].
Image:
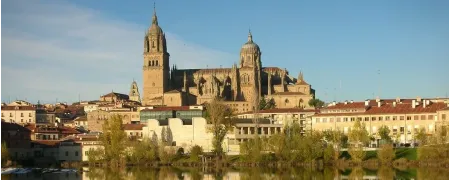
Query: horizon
[80, 48]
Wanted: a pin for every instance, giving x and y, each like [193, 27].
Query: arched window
[156, 63]
[149, 63]
[153, 44]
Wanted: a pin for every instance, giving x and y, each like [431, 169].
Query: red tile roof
[281, 110]
[18, 108]
[133, 127]
[47, 142]
[68, 130]
[43, 129]
[169, 108]
[390, 109]
[347, 106]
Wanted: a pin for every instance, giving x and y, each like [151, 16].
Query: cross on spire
[154, 18]
[250, 39]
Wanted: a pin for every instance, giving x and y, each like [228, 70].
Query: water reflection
[242, 173]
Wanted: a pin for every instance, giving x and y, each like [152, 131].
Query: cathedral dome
[155, 29]
[250, 46]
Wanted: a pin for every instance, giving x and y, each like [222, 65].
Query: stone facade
[241, 86]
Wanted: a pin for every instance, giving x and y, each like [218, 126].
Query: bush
[196, 151]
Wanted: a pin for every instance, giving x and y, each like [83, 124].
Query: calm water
[229, 174]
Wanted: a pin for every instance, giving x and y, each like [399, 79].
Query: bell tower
[156, 62]
[250, 71]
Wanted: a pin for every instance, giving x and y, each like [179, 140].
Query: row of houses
[188, 127]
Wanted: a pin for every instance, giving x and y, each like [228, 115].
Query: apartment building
[19, 114]
[404, 117]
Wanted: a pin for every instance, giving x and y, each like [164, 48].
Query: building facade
[404, 117]
[241, 86]
[19, 114]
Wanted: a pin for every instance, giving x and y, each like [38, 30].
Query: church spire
[154, 18]
[250, 38]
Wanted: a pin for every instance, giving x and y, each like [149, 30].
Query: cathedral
[241, 86]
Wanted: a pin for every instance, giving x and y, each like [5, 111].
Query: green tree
[5, 154]
[317, 103]
[251, 149]
[196, 151]
[164, 136]
[329, 153]
[266, 104]
[335, 137]
[358, 137]
[114, 140]
[95, 155]
[169, 136]
[386, 153]
[220, 121]
[384, 132]
[143, 152]
[421, 135]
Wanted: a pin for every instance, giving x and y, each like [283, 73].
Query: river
[136, 173]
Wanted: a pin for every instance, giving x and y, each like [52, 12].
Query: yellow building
[241, 86]
[19, 114]
[404, 117]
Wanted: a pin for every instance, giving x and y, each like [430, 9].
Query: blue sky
[61, 48]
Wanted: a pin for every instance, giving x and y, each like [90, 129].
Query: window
[366, 118]
[67, 153]
[331, 120]
[352, 119]
[387, 118]
[416, 117]
[423, 117]
[402, 117]
[408, 117]
[380, 118]
[444, 116]
[359, 118]
[21, 114]
[324, 120]
[402, 130]
[345, 119]
[374, 118]
[10, 115]
[29, 114]
[338, 119]
[76, 153]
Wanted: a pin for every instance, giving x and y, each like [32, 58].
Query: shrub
[196, 151]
